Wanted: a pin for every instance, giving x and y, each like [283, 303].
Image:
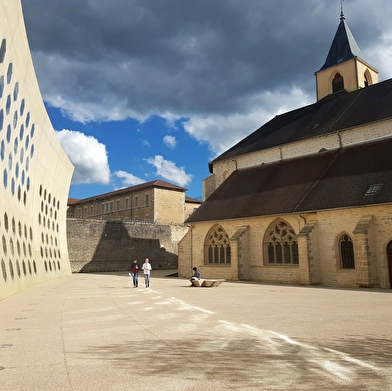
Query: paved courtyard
[96, 332]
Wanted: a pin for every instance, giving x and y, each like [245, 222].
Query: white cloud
[222, 132]
[170, 141]
[382, 52]
[169, 171]
[88, 156]
[146, 143]
[128, 179]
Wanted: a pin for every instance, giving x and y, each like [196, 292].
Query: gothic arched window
[346, 249]
[337, 83]
[365, 80]
[217, 247]
[281, 245]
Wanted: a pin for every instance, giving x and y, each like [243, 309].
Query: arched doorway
[389, 254]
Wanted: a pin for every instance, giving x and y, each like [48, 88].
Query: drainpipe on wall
[190, 226]
[340, 140]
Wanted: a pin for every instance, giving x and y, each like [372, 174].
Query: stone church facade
[307, 197]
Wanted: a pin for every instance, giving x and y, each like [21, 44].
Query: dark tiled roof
[328, 180]
[155, 184]
[192, 200]
[333, 113]
[343, 48]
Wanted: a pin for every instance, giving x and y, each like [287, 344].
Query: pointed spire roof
[344, 46]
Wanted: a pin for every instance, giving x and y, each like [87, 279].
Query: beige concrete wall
[35, 171]
[369, 227]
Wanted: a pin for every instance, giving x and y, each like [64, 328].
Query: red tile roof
[152, 184]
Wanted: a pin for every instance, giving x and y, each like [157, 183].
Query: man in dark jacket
[134, 272]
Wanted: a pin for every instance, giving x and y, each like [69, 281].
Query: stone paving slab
[96, 332]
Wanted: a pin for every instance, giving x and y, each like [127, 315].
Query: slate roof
[328, 180]
[331, 114]
[343, 48]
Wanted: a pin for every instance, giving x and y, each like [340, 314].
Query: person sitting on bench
[196, 274]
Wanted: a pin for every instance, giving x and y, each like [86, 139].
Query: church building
[307, 197]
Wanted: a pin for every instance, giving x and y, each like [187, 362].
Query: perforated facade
[35, 171]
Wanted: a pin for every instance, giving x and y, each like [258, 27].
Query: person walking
[147, 271]
[135, 273]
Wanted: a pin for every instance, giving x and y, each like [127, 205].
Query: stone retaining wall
[99, 245]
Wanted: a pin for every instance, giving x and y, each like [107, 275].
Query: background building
[307, 197]
[106, 232]
[35, 171]
[153, 202]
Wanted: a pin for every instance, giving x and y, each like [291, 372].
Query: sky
[139, 90]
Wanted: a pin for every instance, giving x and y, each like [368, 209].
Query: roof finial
[341, 10]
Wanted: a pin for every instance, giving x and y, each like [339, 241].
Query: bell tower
[344, 68]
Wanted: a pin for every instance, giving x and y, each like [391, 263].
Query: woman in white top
[146, 271]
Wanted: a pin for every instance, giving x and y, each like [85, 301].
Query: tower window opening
[337, 83]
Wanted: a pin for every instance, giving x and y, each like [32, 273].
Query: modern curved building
[34, 169]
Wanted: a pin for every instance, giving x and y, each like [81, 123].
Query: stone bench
[207, 282]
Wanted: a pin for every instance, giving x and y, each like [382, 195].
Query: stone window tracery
[281, 244]
[217, 247]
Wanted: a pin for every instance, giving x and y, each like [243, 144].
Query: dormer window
[337, 83]
[373, 189]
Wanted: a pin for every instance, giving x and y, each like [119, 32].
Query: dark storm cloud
[137, 58]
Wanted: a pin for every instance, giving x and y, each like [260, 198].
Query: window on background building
[136, 201]
[103, 208]
[85, 211]
[118, 205]
[107, 207]
[346, 249]
[217, 247]
[111, 206]
[126, 203]
[147, 199]
[281, 244]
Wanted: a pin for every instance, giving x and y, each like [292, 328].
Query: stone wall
[370, 229]
[100, 245]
